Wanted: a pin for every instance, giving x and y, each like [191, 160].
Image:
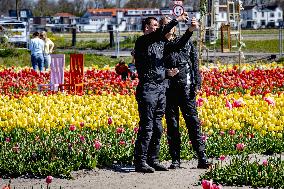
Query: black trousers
[182, 96]
[151, 101]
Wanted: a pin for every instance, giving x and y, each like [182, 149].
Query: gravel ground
[125, 177]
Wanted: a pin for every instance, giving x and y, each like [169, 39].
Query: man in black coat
[181, 93]
[150, 93]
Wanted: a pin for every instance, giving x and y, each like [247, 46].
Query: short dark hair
[147, 21]
[35, 34]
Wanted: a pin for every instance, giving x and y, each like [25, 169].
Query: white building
[262, 16]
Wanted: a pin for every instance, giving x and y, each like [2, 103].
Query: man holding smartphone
[150, 93]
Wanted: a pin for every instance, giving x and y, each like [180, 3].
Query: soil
[122, 178]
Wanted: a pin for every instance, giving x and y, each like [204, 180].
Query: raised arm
[176, 45]
[162, 31]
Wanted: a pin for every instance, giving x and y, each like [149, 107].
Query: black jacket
[185, 59]
[149, 51]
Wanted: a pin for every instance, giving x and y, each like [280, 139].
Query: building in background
[262, 16]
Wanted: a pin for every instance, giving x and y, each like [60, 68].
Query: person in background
[48, 49]
[131, 67]
[122, 69]
[37, 48]
[3, 36]
[181, 93]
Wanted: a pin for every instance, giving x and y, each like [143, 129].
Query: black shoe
[144, 168]
[175, 165]
[158, 167]
[202, 161]
[204, 165]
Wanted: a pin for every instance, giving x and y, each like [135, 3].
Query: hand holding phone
[193, 25]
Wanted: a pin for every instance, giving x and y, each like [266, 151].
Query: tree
[43, 8]
[65, 6]
[143, 4]
[79, 7]
[7, 5]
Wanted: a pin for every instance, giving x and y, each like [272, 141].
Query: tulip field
[48, 133]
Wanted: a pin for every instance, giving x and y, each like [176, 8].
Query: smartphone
[190, 16]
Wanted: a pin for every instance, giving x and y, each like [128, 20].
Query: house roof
[63, 14]
[101, 12]
[112, 11]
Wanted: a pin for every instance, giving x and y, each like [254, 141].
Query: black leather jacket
[185, 59]
[149, 51]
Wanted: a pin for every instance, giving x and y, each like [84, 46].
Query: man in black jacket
[150, 93]
[181, 93]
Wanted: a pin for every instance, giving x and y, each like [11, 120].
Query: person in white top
[37, 47]
[48, 49]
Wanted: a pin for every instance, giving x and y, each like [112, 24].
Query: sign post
[281, 26]
[178, 10]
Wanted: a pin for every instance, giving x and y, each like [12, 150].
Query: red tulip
[120, 130]
[217, 186]
[222, 157]
[72, 127]
[206, 184]
[109, 121]
[269, 100]
[122, 142]
[48, 179]
[238, 103]
[232, 132]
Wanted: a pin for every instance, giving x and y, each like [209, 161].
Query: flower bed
[54, 134]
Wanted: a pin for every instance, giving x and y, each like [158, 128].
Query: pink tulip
[217, 187]
[206, 184]
[269, 100]
[16, 148]
[8, 139]
[48, 179]
[82, 138]
[238, 103]
[222, 157]
[232, 132]
[200, 101]
[97, 144]
[120, 130]
[204, 138]
[228, 104]
[122, 142]
[240, 146]
[135, 129]
[72, 127]
[222, 133]
[109, 121]
[265, 163]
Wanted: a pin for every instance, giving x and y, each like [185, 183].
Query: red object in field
[76, 75]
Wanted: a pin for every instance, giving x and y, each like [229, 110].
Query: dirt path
[186, 177]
